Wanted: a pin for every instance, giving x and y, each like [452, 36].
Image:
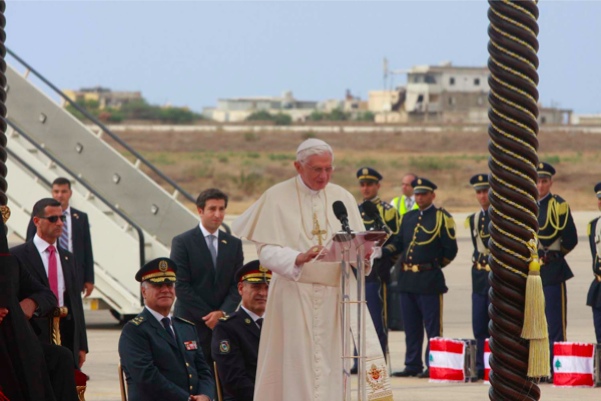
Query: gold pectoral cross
[317, 231]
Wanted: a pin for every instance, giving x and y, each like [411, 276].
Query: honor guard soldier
[593, 298]
[428, 244]
[377, 280]
[557, 237]
[235, 342]
[478, 226]
[160, 354]
[402, 204]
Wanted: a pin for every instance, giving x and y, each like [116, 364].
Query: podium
[352, 250]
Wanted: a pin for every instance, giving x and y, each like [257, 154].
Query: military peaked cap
[253, 272]
[423, 185]
[159, 270]
[480, 181]
[545, 170]
[368, 174]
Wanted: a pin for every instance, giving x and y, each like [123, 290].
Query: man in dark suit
[207, 260]
[159, 354]
[55, 267]
[75, 236]
[235, 344]
[29, 369]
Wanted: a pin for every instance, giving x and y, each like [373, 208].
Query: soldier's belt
[419, 267]
[550, 256]
[484, 266]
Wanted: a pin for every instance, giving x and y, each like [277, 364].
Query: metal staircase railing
[139, 158]
[141, 248]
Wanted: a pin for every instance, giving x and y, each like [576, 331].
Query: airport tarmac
[103, 332]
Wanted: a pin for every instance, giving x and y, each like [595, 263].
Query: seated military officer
[159, 353]
[235, 343]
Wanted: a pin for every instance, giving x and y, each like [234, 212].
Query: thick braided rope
[3, 154]
[513, 148]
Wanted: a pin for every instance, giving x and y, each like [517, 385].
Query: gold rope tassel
[535, 321]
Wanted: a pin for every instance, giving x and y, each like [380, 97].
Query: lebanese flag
[573, 364]
[486, 363]
[446, 360]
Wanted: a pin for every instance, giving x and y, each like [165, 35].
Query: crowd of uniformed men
[209, 336]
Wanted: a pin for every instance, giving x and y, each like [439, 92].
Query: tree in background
[135, 110]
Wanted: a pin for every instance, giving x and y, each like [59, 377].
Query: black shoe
[425, 374]
[406, 373]
[354, 370]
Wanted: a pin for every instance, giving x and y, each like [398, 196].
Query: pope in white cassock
[301, 338]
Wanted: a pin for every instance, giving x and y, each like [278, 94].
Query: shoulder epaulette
[138, 320]
[449, 222]
[184, 320]
[466, 224]
[442, 209]
[386, 206]
[588, 228]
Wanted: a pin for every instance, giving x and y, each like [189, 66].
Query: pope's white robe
[301, 337]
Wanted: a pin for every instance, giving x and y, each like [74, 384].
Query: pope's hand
[308, 256]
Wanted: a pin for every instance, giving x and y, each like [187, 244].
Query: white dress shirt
[42, 247]
[215, 239]
[252, 315]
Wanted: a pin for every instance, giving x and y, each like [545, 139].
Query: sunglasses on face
[54, 219]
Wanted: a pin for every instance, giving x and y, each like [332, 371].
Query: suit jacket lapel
[204, 253]
[68, 273]
[180, 344]
[75, 227]
[158, 327]
[223, 246]
[35, 260]
[252, 326]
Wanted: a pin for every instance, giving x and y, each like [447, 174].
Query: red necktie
[52, 270]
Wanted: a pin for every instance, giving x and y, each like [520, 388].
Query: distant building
[586, 119]
[350, 104]
[238, 109]
[104, 96]
[444, 94]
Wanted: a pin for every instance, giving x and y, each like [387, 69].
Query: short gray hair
[303, 155]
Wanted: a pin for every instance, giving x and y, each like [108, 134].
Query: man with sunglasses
[160, 354]
[54, 266]
[75, 236]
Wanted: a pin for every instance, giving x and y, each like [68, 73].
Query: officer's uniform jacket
[428, 244]
[594, 235]
[557, 237]
[478, 226]
[235, 348]
[392, 247]
[159, 367]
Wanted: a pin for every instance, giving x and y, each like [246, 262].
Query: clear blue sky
[194, 52]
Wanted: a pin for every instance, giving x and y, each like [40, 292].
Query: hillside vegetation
[244, 164]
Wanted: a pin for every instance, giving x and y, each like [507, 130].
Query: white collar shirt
[42, 247]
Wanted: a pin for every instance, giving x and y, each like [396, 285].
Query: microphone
[342, 215]
[372, 211]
